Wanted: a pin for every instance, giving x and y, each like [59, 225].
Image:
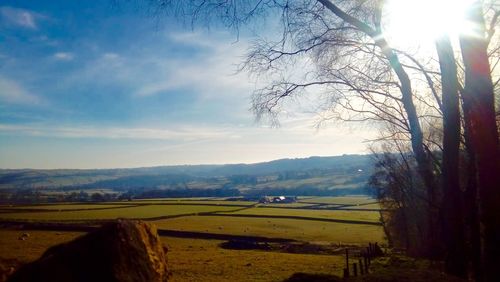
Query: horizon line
[200, 164]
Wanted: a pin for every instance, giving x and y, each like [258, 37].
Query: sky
[92, 84]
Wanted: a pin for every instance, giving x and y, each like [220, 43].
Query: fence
[362, 258]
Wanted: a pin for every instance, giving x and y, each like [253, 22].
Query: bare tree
[337, 48]
[400, 192]
[478, 100]
[453, 226]
[353, 62]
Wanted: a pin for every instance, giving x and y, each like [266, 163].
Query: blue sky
[89, 84]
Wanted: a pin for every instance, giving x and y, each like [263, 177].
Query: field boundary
[80, 227]
[119, 206]
[347, 221]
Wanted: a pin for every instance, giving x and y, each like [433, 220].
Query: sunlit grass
[374, 206]
[302, 230]
[66, 206]
[351, 200]
[147, 211]
[322, 214]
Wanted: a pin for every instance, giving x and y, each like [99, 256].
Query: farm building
[278, 199]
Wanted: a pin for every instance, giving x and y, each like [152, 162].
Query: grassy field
[375, 206]
[320, 182]
[289, 205]
[353, 200]
[66, 207]
[322, 214]
[202, 202]
[146, 211]
[301, 230]
[204, 260]
[195, 257]
[191, 260]
[176, 199]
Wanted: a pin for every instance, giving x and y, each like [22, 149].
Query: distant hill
[347, 171]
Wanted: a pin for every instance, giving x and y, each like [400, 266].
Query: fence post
[366, 264]
[355, 269]
[346, 273]
[347, 260]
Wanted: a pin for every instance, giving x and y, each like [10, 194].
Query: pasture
[66, 207]
[352, 200]
[300, 230]
[192, 229]
[134, 212]
[312, 214]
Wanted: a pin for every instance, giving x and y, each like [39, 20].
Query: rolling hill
[338, 172]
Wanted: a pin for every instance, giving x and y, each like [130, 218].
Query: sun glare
[410, 22]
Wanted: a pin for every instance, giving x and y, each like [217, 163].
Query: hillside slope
[345, 171]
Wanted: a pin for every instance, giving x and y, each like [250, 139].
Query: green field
[197, 256]
[139, 212]
[192, 199]
[301, 230]
[353, 200]
[321, 214]
[375, 206]
[191, 259]
[202, 202]
[289, 205]
[67, 207]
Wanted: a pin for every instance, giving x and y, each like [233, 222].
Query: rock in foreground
[120, 251]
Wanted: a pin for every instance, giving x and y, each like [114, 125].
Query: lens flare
[409, 22]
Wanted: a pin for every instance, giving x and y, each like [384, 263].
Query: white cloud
[300, 130]
[156, 88]
[188, 144]
[208, 73]
[110, 56]
[213, 74]
[180, 134]
[197, 38]
[12, 92]
[64, 56]
[20, 17]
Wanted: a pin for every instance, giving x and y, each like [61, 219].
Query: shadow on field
[283, 247]
[91, 226]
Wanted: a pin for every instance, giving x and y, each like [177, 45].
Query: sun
[415, 22]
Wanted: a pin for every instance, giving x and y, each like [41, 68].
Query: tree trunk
[453, 225]
[471, 199]
[424, 164]
[470, 205]
[478, 97]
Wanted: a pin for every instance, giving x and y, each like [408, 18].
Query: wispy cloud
[64, 56]
[298, 129]
[209, 72]
[14, 93]
[214, 73]
[110, 56]
[180, 134]
[20, 17]
[196, 38]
